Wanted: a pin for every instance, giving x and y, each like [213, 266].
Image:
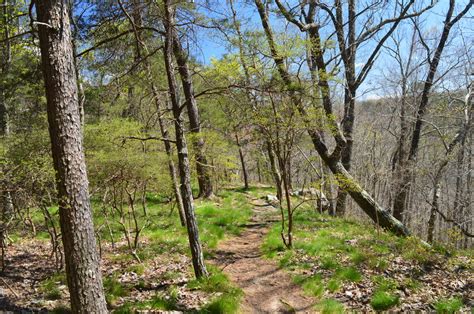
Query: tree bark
[242, 162]
[202, 168]
[275, 171]
[183, 159]
[82, 261]
[171, 166]
[5, 67]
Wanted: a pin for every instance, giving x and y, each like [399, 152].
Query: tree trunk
[82, 261]
[6, 202]
[275, 171]
[404, 187]
[5, 67]
[434, 210]
[137, 21]
[242, 162]
[402, 172]
[378, 214]
[169, 153]
[183, 159]
[202, 168]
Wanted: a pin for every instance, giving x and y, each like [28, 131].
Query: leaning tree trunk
[183, 158]
[202, 168]
[82, 260]
[377, 213]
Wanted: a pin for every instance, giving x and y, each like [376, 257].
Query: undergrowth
[329, 252]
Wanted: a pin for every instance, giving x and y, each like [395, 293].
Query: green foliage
[451, 305]
[138, 269]
[312, 285]
[384, 297]
[329, 262]
[229, 299]
[382, 301]
[114, 289]
[334, 284]
[160, 301]
[225, 304]
[412, 248]
[50, 286]
[272, 243]
[349, 274]
[226, 218]
[384, 284]
[329, 306]
[358, 257]
[113, 157]
[61, 310]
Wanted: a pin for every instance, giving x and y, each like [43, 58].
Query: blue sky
[211, 44]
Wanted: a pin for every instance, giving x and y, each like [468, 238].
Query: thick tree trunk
[183, 158]
[82, 261]
[346, 154]
[6, 202]
[202, 168]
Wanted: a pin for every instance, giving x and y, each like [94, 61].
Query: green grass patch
[334, 285]
[313, 285]
[114, 289]
[382, 300]
[273, 243]
[451, 305]
[329, 306]
[50, 286]
[161, 301]
[348, 274]
[227, 301]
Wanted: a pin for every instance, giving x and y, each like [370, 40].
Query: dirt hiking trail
[266, 287]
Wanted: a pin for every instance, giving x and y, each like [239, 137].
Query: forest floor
[267, 288]
[336, 265]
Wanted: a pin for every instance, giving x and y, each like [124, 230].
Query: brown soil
[266, 287]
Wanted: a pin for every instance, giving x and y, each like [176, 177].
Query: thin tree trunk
[171, 166]
[242, 162]
[82, 261]
[403, 190]
[136, 22]
[183, 159]
[275, 171]
[202, 167]
[402, 172]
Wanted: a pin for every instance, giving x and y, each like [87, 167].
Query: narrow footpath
[266, 287]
